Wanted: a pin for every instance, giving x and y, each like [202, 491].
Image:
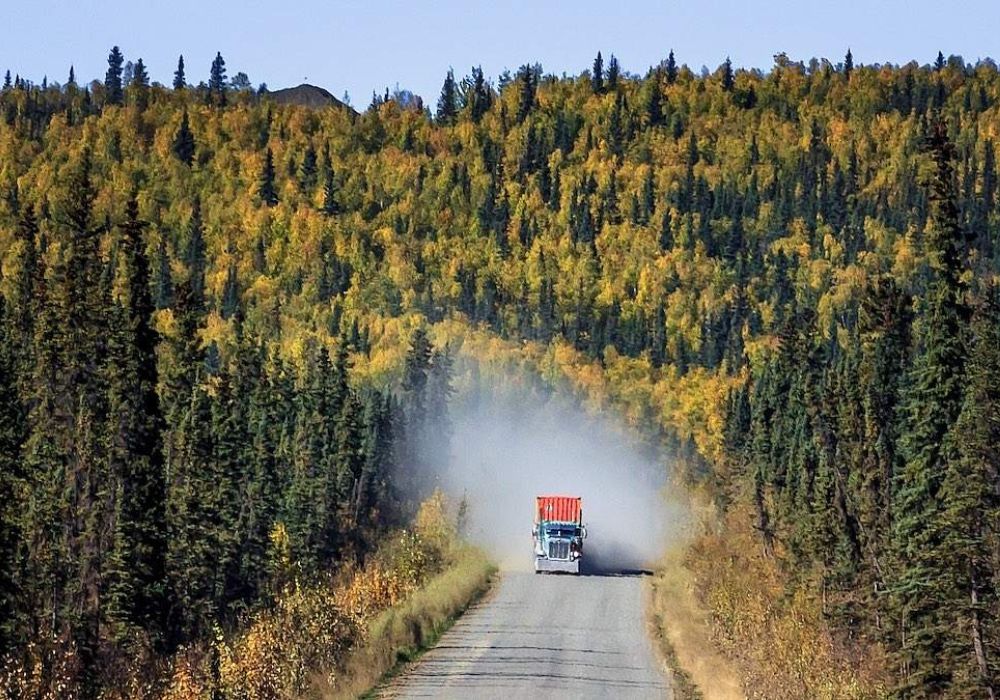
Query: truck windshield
[560, 532]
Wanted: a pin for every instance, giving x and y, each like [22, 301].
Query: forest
[218, 322]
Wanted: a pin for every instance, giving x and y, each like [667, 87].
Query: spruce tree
[526, 92]
[230, 293]
[113, 78]
[136, 457]
[183, 146]
[163, 282]
[671, 68]
[597, 75]
[24, 305]
[727, 75]
[179, 80]
[308, 171]
[848, 66]
[194, 255]
[614, 73]
[480, 97]
[447, 106]
[66, 449]
[12, 434]
[195, 545]
[265, 186]
[217, 80]
[654, 98]
[932, 403]
[415, 374]
[971, 519]
[140, 85]
[330, 206]
[884, 337]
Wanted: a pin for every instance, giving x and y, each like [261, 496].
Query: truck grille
[558, 549]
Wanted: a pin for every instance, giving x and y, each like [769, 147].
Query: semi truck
[558, 534]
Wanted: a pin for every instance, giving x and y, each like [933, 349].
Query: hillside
[789, 275]
[306, 95]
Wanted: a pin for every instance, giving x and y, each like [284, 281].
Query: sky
[359, 47]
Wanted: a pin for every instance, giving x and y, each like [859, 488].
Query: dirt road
[544, 636]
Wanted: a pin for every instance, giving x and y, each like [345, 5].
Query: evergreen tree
[65, 450]
[415, 377]
[480, 95]
[164, 283]
[140, 85]
[136, 457]
[71, 80]
[113, 78]
[230, 294]
[179, 79]
[12, 434]
[848, 66]
[140, 78]
[671, 68]
[597, 75]
[24, 304]
[265, 187]
[330, 206]
[447, 106]
[194, 255]
[526, 92]
[308, 171]
[614, 73]
[196, 541]
[217, 80]
[183, 146]
[971, 519]
[654, 99]
[933, 401]
[727, 75]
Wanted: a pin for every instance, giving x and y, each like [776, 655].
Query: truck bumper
[557, 565]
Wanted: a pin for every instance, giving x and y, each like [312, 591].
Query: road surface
[544, 636]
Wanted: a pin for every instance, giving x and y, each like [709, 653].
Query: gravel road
[544, 636]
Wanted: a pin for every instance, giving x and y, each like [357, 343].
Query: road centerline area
[544, 636]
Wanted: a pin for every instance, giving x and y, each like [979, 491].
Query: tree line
[822, 237]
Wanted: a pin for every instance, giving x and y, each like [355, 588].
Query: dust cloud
[513, 438]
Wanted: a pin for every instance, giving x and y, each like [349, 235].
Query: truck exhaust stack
[558, 534]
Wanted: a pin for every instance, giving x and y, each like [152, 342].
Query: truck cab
[558, 534]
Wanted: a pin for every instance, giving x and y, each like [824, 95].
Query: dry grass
[403, 631]
[777, 637]
[683, 629]
[731, 627]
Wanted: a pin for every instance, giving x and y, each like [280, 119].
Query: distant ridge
[306, 95]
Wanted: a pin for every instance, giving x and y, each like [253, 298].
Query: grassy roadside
[682, 630]
[721, 612]
[400, 633]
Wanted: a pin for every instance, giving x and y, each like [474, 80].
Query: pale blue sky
[361, 46]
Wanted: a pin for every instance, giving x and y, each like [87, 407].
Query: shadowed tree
[597, 75]
[265, 186]
[179, 79]
[183, 146]
[113, 78]
[447, 106]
